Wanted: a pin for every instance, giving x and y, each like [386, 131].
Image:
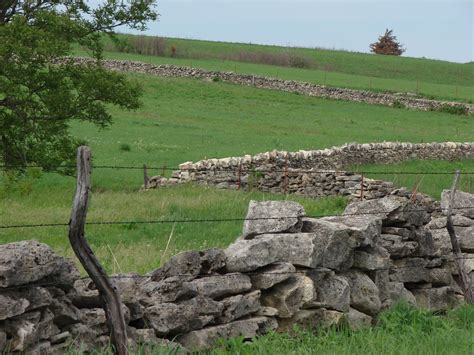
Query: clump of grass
[124, 147]
[460, 110]
[397, 104]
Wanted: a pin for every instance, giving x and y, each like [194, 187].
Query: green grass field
[425, 77]
[186, 119]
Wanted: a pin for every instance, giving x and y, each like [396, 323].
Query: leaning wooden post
[110, 298]
[465, 281]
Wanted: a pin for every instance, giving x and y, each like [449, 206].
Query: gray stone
[65, 313]
[394, 211]
[365, 229]
[334, 245]
[267, 312]
[238, 306]
[372, 259]
[212, 260]
[397, 292]
[29, 261]
[144, 341]
[222, 285]
[357, 320]
[364, 293]
[60, 338]
[193, 314]
[206, 338]
[270, 275]
[311, 319]
[458, 221]
[289, 296]
[84, 294]
[441, 241]
[272, 217]
[332, 292]
[168, 290]
[406, 233]
[186, 265]
[3, 341]
[10, 307]
[436, 299]
[461, 201]
[396, 246]
[410, 270]
[249, 255]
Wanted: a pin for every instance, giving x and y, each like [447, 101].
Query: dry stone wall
[290, 269]
[314, 173]
[300, 87]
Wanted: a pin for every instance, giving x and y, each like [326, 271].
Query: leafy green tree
[42, 91]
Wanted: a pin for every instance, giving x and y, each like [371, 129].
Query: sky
[440, 29]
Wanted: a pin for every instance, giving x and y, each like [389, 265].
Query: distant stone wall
[300, 87]
[285, 269]
[306, 172]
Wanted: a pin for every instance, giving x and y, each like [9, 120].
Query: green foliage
[397, 104]
[41, 93]
[124, 147]
[460, 110]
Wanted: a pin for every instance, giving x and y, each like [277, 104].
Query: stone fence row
[285, 269]
[300, 87]
[307, 172]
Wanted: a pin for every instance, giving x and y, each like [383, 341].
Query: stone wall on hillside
[300, 87]
[285, 269]
[307, 172]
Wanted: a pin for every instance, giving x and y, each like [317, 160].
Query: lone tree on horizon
[387, 44]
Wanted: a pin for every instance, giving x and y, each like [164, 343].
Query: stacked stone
[303, 88]
[463, 222]
[306, 172]
[285, 269]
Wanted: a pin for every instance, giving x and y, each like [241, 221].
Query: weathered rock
[435, 299]
[364, 293]
[206, 338]
[29, 261]
[289, 296]
[270, 275]
[441, 241]
[272, 217]
[458, 221]
[65, 312]
[333, 293]
[186, 265]
[462, 201]
[249, 255]
[168, 290]
[147, 342]
[334, 245]
[396, 246]
[365, 229]
[424, 238]
[414, 270]
[357, 320]
[84, 294]
[11, 306]
[394, 211]
[312, 319]
[212, 260]
[222, 285]
[372, 259]
[397, 292]
[465, 237]
[236, 307]
[267, 312]
[193, 314]
[3, 341]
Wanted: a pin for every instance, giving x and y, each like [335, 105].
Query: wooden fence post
[459, 259]
[110, 298]
[145, 176]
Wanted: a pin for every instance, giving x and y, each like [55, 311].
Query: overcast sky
[440, 29]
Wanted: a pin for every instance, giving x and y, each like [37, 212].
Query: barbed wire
[218, 220]
[246, 170]
[250, 273]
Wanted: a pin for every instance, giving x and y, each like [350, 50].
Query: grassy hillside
[432, 78]
[186, 119]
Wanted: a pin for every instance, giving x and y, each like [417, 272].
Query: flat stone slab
[222, 285]
[206, 338]
[272, 217]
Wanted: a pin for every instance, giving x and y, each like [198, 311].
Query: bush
[387, 44]
[397, 104]
[453, 109]
[124, 147]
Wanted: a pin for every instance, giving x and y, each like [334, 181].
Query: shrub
[124, 147]
[453, 109]
[387, 44]
[398, 104]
